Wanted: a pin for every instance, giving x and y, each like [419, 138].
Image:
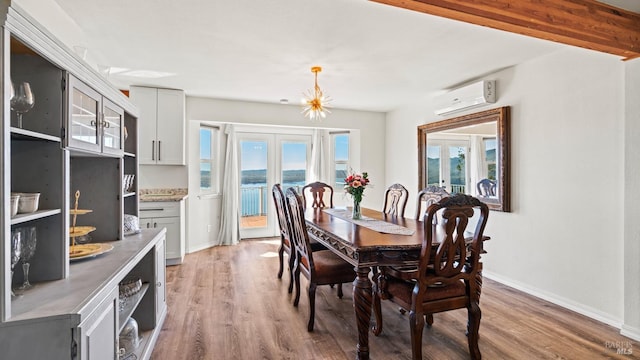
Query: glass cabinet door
[83, 130]
[112, 139]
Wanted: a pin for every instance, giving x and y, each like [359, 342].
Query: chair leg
[340, 294]
[473, 328]
[312, 306]
[429, 319]
[281, 257]
[292, 260]
[416, 324]
[296, 278]
[377, 312]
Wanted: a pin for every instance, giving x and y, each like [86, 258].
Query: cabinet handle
[159, 151]
[155, 225]
[93, 123]
[148, 225]
[159, 284]
[158, 209]
[153, 149]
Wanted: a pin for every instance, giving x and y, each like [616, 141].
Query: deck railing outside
[255, 198]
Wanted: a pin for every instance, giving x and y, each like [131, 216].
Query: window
[208, 159]
[340, 147]
[490, 146]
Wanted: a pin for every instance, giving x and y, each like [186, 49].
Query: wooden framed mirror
[476, 147]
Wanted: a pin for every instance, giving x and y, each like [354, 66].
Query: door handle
[153, 149]
[159, 151]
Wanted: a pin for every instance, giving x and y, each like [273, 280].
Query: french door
[267, 159]
[447, 164]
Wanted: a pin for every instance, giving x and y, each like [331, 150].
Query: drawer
[159, 210]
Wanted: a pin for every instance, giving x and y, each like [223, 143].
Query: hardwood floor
[227, 303]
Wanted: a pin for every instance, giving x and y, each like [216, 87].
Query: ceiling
[374, 57]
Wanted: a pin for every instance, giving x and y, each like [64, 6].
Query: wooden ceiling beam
[583, 23]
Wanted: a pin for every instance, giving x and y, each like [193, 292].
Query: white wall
[369, 151]
[631, 326]
[564, 239]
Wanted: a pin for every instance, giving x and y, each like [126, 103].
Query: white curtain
[229, 216]
[316, 172]
[477, 163]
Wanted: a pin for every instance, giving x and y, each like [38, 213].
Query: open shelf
[21, 218]
[131, 304]
[23, 134]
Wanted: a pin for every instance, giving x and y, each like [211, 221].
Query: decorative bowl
[28, 202]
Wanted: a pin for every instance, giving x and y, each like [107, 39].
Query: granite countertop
[166, 194]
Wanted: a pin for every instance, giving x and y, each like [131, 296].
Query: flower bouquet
[354, 185]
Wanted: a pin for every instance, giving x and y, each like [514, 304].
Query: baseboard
[200, 247]
[630, 332]
[558, 300]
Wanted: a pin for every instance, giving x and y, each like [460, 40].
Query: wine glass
[22, 101]
[28, 249]
[15, 251]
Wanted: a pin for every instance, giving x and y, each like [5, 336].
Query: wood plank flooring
[227, 303]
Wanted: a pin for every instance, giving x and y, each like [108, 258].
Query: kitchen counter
[166, 194]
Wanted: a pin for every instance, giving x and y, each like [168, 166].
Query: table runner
[370, 223]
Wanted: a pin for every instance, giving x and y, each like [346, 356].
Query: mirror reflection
[468, 154]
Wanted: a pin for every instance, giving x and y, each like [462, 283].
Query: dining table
[363, 244]
[377, 239]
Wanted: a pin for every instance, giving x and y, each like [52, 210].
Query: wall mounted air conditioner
[466, 97]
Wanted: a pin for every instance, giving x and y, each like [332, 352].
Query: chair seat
[403, 290]
[332, 269]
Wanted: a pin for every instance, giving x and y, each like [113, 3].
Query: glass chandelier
[315, 101]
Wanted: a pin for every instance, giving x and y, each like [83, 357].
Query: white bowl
[28, 202]
[14, 204]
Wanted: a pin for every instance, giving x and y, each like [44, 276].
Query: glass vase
[357, 213]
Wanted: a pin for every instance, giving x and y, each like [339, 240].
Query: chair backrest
[278, 199]
[429, 195]
[453, 259]
[395, 200]
[486, 187]
[317, 191]
[299, 235]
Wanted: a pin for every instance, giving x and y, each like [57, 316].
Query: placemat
[370, 223]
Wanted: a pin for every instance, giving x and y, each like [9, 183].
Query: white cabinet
[169, 215]
[161, 125]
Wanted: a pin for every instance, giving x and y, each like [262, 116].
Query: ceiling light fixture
[315, 101]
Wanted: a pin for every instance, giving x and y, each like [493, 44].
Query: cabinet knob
[159, 284]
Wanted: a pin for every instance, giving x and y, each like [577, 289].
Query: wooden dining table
[364, 248]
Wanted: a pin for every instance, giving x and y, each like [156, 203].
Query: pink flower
[356, 184]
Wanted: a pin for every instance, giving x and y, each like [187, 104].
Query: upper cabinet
[161, 125]
[94, 123]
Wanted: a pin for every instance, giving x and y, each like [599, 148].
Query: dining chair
[317, 191]
[427, 196]
[285, 231]
[321, 267]
[486, 187]
[449, 274]
[395, 200]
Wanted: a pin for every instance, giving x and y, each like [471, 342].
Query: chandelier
[315, 101]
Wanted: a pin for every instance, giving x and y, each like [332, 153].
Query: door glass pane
[457, 168]
[84, 118]
[433, 165]
[112, 123]
[253, 184]
[294, 165]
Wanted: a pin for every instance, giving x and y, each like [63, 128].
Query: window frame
[212, 161]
